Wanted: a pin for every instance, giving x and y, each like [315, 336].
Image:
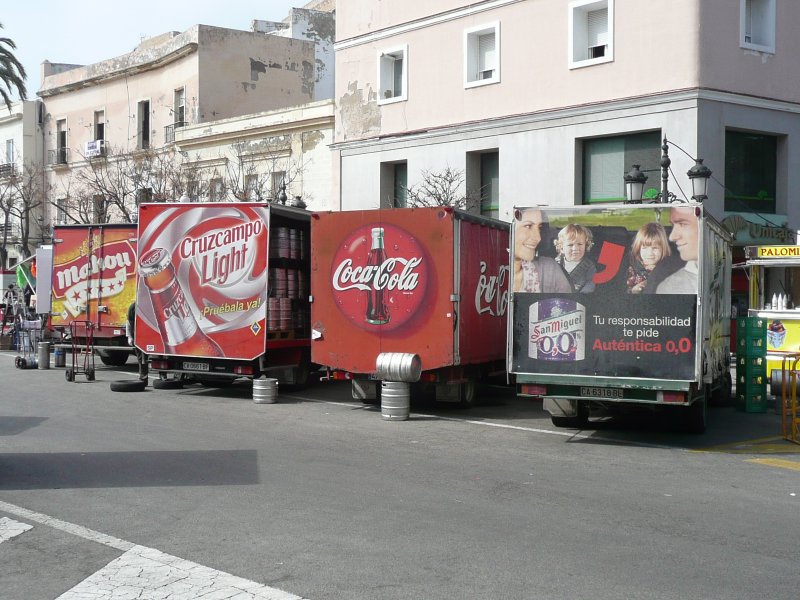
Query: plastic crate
[751, 346]
[753, 402]
[747, 325]
[745, 360]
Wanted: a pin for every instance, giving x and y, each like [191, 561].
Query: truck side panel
[483, 290]
[631, 323]
[94, 276]
[219, 255]
[415, 281]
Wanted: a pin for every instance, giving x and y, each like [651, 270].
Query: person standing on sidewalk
[130, 330]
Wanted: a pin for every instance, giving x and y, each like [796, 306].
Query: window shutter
[597, 21]
[486, 52]
[604, 169]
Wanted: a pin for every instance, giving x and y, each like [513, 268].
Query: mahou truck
[223, 291]
[94, 281]
[428, 286]
[622, 307]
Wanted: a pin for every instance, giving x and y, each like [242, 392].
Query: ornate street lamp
[699, 175]
[634, 185]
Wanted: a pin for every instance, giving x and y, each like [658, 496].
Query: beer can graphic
[556, 330]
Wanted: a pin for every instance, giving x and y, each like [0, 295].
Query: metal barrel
[395, 400]
[44, 355]
[398, 366]
[265, 391]
[59, 357]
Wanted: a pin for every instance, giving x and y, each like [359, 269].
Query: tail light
[532, 389]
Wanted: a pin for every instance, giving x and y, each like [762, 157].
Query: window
[482, 55]
[10, 152]
[393, 75]
[490, 184]
[757, 25]
[250, 187]
[61, 210]
[216, 190]
[179, 108]
[394, 184]
[61, 142]
[591, 32]
[99, 208]
[276, 179]
[606, 160]
[750, 172]
[99, 125]
[143, 124]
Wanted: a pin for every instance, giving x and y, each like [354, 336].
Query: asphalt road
[317, 496]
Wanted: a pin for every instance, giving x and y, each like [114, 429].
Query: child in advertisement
[572, 244]
[649, 247]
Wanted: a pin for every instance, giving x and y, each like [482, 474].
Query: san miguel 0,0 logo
[380, 276]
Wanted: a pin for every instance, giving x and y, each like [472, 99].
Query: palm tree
[12, 73]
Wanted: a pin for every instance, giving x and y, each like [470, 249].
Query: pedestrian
[130, 332]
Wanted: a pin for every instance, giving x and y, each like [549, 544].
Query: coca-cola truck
[94, 281]
[621, 307]
[223, 291]
[425, 286]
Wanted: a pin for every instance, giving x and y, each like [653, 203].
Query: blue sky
[88, 31]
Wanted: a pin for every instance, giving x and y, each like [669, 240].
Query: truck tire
[215, 382]
[579, 421]
[114, 358]
[696, 418]
[128, 385]
[167, 384]
[468, 392]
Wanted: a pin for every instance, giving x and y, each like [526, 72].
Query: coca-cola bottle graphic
[179, 329]
[377, 311]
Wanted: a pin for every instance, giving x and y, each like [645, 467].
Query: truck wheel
[696, 417]
[215, 382]
[468, 393]
[167, 384]
[114, 358]
[579, 421]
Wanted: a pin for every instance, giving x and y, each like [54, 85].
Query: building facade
[552, 102]
[111, 128]
[23, 201]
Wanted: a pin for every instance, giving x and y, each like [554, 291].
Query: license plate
[600, 392]
[195, 366]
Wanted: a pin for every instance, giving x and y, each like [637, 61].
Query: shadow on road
[29, 471]
[16, 425]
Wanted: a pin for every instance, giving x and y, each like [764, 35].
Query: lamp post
[635, 179]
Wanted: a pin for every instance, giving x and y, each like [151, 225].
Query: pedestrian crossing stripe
[776, 462]
[9, 528]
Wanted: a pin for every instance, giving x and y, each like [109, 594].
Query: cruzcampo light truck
[644, 318]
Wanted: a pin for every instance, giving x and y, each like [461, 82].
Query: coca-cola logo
[379, 276]
[491, 293]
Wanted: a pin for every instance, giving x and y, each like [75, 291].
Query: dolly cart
[29, 334]
[82, 355]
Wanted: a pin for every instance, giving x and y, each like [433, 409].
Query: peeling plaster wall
[244, 72]
[318, 27]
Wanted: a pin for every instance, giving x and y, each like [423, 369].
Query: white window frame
[578, 38]
[768, 30]
[472, 58]
[387, 57]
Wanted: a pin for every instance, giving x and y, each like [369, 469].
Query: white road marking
[9, 528]
[142, 572]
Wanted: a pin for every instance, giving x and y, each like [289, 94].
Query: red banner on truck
[203, 279]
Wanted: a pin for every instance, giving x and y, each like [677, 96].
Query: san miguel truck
[620, 307]
[425, 286]
[93, 284]
[223, 291]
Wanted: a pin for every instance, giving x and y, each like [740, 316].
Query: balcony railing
[59, 156]
[169, 131]
[8, 170]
